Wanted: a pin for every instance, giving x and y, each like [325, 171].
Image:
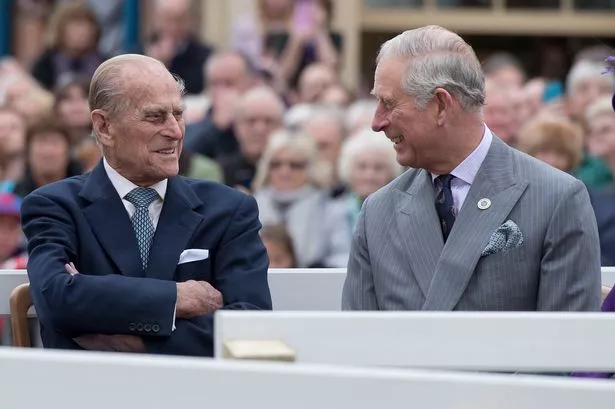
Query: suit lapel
[420, 228]
[110, 223]
[473, 227]
[177, 223]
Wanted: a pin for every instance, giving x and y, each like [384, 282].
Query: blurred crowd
[270, 115]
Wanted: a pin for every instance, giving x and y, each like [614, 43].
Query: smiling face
[413, 130]
[144, 141]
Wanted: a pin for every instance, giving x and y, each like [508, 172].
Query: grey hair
[328, 113]
[587, 69]
[437, 58]
[260, 93]
[106, 88]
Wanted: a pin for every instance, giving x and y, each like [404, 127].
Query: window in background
[594, 4]
[533, 4]
[464, 3]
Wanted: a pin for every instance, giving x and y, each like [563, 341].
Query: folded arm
[87, 303]
[240, 271]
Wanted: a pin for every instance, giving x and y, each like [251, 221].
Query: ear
[444, 104]
[100, 125]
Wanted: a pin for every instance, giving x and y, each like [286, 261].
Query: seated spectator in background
[309, 41]
[229, 75]
[259, 113]
[359, 115]
[586, 82]
[13, 253]
[367, 162]
[314, 82]
[326, 126]
[71, 108]
[504, 69]
[173, 44]
[279, 246]
[601, 137]
[553, 140]
[48, 157]
[287, 193]
[73, 49]
[12, 147]
[126, 257]
[499, 113]
[601, 141]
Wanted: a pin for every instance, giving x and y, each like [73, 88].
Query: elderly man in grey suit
[473, 224]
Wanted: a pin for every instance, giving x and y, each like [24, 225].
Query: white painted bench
[74, 380]
[481, 341]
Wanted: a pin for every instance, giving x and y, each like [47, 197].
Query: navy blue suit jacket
[82, 220]
[603, 202]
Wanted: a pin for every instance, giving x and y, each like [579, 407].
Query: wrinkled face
[10, 233]
[499, 113]
[79, 35]
[601, 141]
[328, 136]
[586, 92]
[370, 170]
[556, 159]
[227, 73]
[254, 126]
[143, 142]
[278, 256]
[410, 128]
[288, 170]
[73, 109]
[48, 154]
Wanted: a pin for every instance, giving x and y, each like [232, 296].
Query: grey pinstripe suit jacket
[398, 259]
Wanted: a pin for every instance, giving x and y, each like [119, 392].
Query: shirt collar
[124, 186]
[469, 167]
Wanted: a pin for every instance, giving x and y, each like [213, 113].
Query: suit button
[147, 328]
[132, 326]
[139, 327]
[155, 327]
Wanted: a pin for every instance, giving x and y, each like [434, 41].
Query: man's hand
[111, 343]
[196, 298]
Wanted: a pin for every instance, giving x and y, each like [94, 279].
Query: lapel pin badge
[484, 204]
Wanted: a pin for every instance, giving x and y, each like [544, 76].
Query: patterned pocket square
[508, 236]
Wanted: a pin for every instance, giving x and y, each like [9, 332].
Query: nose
[380, 122]
[175, 128]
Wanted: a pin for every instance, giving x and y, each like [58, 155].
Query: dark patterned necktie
[445, 205]
[141, 198]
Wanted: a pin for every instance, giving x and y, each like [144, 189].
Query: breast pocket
[194, 264]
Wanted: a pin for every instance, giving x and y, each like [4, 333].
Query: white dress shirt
[466, 171]
[124, 186]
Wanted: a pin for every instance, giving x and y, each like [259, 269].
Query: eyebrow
[149, 110]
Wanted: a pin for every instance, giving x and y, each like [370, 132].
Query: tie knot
[445, 180]
[141, 196]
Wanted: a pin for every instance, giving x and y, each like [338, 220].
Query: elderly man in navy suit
[132, 257]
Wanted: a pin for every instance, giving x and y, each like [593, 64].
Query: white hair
[366, 140]
[601, 106]
[437, 58]
[262, 94]
[328, 113]
[298, 115]
[584, 70]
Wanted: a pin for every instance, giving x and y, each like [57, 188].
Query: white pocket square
[190, 255]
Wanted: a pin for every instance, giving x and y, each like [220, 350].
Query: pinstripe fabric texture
[399, 261]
